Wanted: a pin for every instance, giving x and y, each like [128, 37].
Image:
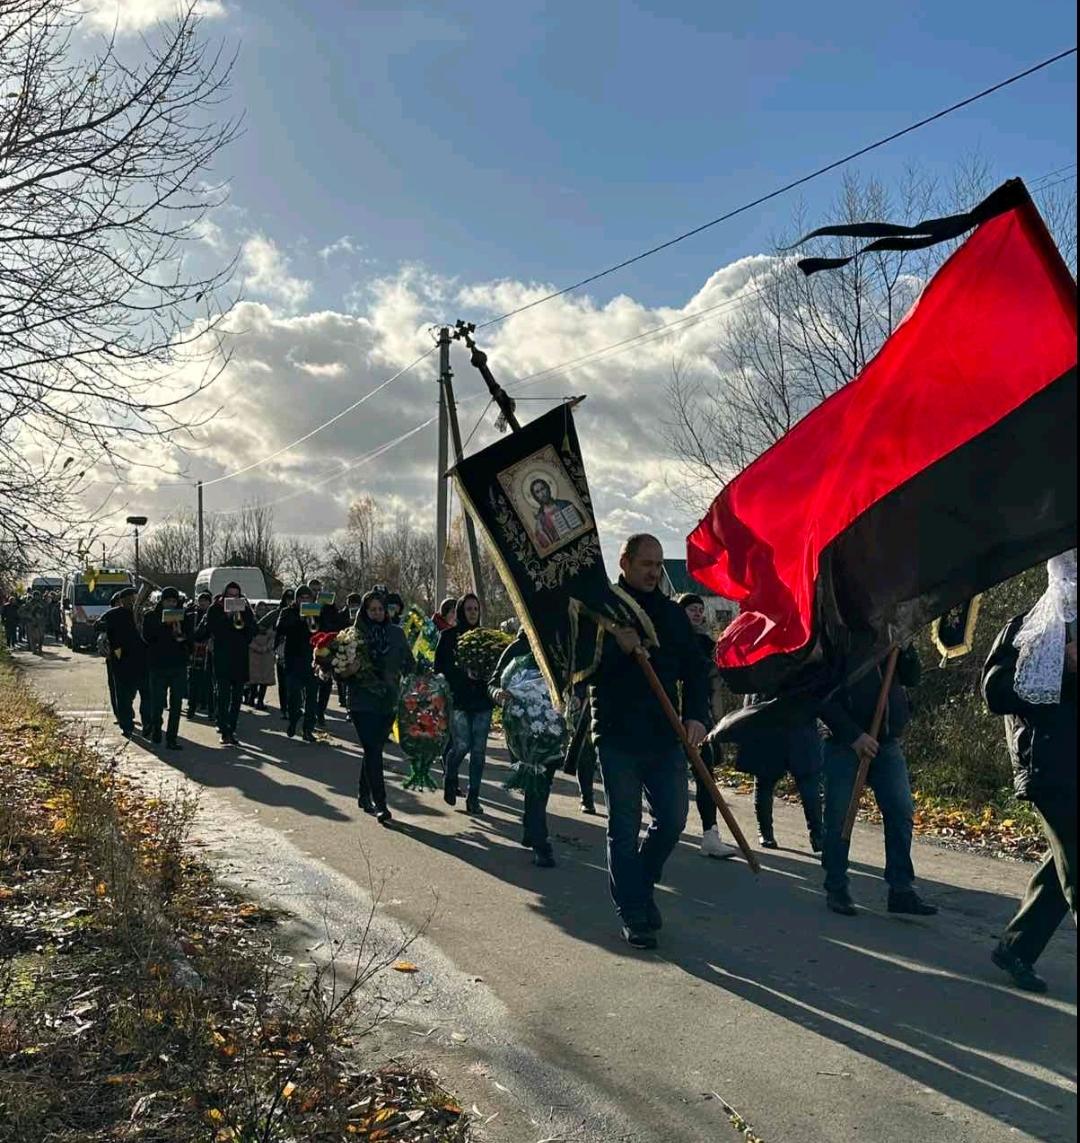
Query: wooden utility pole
[470, 529]
[441, 487]
[199, 514]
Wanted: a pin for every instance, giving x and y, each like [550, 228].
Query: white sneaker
[712, 846]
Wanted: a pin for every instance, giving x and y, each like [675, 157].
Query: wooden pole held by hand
[874, 730]
[692, 752]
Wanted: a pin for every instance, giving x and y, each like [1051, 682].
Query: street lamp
[138, 522]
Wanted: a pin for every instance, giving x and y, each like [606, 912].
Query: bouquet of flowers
[479, 651]
[535, 731]
[422, 636]
[342, 655]
[423, 724]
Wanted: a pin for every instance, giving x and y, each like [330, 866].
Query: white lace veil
[1041, 641]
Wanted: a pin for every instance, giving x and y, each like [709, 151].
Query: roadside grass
[139, 999]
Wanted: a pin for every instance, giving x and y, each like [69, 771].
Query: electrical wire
[801, 181]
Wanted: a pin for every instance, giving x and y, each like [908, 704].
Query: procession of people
[214, 655]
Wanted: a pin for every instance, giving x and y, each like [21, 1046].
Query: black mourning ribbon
[929, 232]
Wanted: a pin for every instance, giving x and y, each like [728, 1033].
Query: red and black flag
[946, 466]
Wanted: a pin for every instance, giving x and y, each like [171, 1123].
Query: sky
[405, 165]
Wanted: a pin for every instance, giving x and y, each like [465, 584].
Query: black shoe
[815, 842]
[284, 716]
[654, 922]
[450, 792]
[291, 730]
[543, 857]
[190, 713]
[911, 904]
[841, 903]
[308, 736]
[767, 840]
[588, 807]
[472, 806]
[321, 720]
[383, 816]
[172, 744]
[155, 737]
[1023, 975]
[365, 803]
[639, 938]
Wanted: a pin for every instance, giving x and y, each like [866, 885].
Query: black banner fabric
[528, 494]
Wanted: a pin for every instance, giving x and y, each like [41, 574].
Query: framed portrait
[233, 604]
[545, 501]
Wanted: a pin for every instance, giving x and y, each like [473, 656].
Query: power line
[787, 187]
[319, 428]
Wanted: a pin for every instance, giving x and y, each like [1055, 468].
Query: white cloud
[343, 245]
[266, 273]
[291, 371]
[129, 17]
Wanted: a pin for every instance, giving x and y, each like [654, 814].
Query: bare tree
[796, 340]
[104, 164]
[300, 561]
[248, 539]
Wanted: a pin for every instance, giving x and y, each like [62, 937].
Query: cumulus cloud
[129, 17]
[343, 246]
[266, 273]
[291, 371]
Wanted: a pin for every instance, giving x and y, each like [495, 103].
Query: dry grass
[141, 1000]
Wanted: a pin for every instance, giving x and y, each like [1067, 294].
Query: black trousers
[303, 694]
[372, 729]
[200, 690]
[168, 688]
[809, 787]
[125, 689]
[230, 695]
[282, 686]
[326, 689]
[1051, 893]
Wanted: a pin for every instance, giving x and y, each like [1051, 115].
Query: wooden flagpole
[874, 730]
[698, 763]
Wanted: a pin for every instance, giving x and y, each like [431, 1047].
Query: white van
[83, 603]
[251, 580]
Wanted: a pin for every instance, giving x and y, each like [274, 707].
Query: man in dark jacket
[168, 631]
[200, 683]
[847, 717]
[636, 745]
[10, 613]
[293, 633]
[1030, 678]
[231, 625]
[126, 656]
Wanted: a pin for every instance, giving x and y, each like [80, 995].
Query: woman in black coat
[769, 755]
[231, 633]
[1030, 679]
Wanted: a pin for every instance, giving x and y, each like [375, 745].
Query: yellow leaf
[1008, 823]
[288, 1090]
[215, 1115]
[100, 889]
[405, 966]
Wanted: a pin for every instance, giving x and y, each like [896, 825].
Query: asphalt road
[814, 1027]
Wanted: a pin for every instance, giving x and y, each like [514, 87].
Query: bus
[86, 598]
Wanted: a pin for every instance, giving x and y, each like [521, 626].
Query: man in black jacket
[636, 745]
[293, 633]
[127, 656]
[200, 681]
[231, 631]
[1030, 678]
[168, 631]
[847, 717]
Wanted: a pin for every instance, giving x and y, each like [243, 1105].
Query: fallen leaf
[405, 966]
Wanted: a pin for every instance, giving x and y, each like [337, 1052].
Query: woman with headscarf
[472, 709]
[232, 627]
[261, 660]
[1030, 678]
[373, 700]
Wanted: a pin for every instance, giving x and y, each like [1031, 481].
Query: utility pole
[470, 530]
[442, 463]
[199, 513]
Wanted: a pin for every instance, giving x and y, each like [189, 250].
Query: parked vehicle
[86, 597]
[251, 580]
[44, 583]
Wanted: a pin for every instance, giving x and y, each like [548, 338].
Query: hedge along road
[814, 1027]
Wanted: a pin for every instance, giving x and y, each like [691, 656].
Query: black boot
[450, 789]
[763, 811]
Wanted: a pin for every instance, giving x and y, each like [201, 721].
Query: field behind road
[815, 1027]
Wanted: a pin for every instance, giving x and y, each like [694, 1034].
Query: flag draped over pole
[946, 466]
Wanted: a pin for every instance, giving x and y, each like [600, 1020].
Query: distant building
[676, 581]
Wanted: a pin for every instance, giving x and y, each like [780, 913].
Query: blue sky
[541, 141]
[402, 165]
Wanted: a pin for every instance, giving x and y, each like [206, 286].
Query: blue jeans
[470, 734]
[888, 779]
[634, 868]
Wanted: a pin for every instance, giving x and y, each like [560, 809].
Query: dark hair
[462, 622]
[170, 593]
[205, 595]
[353, 599]
[288, 594]
[633, 544]
[688, 599]
[449, 604]
[303, 589]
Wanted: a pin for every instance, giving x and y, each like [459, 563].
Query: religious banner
[528, 495]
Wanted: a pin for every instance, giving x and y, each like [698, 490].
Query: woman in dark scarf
[373, 698]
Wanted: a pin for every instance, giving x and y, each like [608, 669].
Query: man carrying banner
[637, 748]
